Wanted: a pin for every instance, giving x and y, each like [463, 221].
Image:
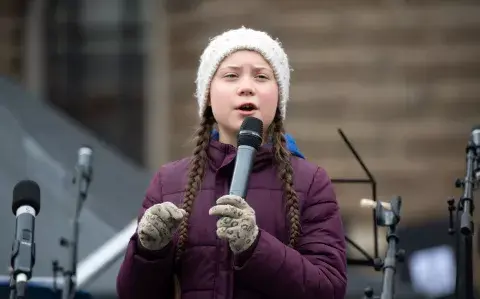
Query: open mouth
[247, 107]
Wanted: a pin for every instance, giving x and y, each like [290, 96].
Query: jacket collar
[221, 154]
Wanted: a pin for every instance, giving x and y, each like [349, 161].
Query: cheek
[269, 107]
[219, 102]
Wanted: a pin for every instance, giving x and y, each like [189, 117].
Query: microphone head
[251, 132]
[476, 135]
[85, 154]
[26, 193]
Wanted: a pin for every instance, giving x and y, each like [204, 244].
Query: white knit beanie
[243, 39]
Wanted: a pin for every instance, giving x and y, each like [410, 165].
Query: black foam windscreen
[251, 132]
[26, 193]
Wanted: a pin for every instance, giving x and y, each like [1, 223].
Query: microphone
[25, 206]
[84, 170]
[84, 163]
[83, 177]
[475, 136]
[368, 203]
[249, 140]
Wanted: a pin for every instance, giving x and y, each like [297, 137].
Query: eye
[230, 75]
[263, 77]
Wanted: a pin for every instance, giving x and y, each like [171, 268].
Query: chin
[235, 121]
[235, 126]
[255, 114]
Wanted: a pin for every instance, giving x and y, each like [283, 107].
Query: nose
[246, 87]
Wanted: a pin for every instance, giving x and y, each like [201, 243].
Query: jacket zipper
[229, 258]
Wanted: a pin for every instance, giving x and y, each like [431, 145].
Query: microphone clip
[82, 173]
[389, 217]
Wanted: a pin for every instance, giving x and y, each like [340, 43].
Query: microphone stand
[464, 288]
[55, 269]
[368, 261]
[389, 219]
[13, 287]
[82, 178]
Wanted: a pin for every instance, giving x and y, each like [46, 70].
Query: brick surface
[401, 80]
[11, 30]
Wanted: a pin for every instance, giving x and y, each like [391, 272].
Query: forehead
[240, 58]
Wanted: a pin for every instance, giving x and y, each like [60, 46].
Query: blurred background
[400, 78]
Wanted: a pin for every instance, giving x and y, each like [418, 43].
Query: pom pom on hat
[234, 40]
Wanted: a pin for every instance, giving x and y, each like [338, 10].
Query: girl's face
[244, 85]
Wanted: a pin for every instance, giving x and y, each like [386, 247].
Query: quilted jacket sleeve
[316, 268]
[144, 272]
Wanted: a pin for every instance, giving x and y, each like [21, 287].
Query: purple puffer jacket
[315, 269]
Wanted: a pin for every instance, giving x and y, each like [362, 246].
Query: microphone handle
[23, 253]
[242, 170]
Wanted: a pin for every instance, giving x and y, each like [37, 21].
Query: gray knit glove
[158, 224]
[237, 224]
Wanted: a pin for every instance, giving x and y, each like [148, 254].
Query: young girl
[283, 241]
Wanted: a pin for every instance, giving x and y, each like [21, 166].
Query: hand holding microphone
[158, 224]
[237, 224]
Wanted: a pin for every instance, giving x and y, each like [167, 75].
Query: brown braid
[195, 175]
[285, 172]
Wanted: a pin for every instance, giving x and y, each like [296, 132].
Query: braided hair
[197, 172]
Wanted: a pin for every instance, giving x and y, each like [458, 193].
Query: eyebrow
[256, 68]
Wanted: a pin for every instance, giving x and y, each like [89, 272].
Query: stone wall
[11, 35]
[401, 80]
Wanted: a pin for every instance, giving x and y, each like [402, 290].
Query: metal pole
[101, 259]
